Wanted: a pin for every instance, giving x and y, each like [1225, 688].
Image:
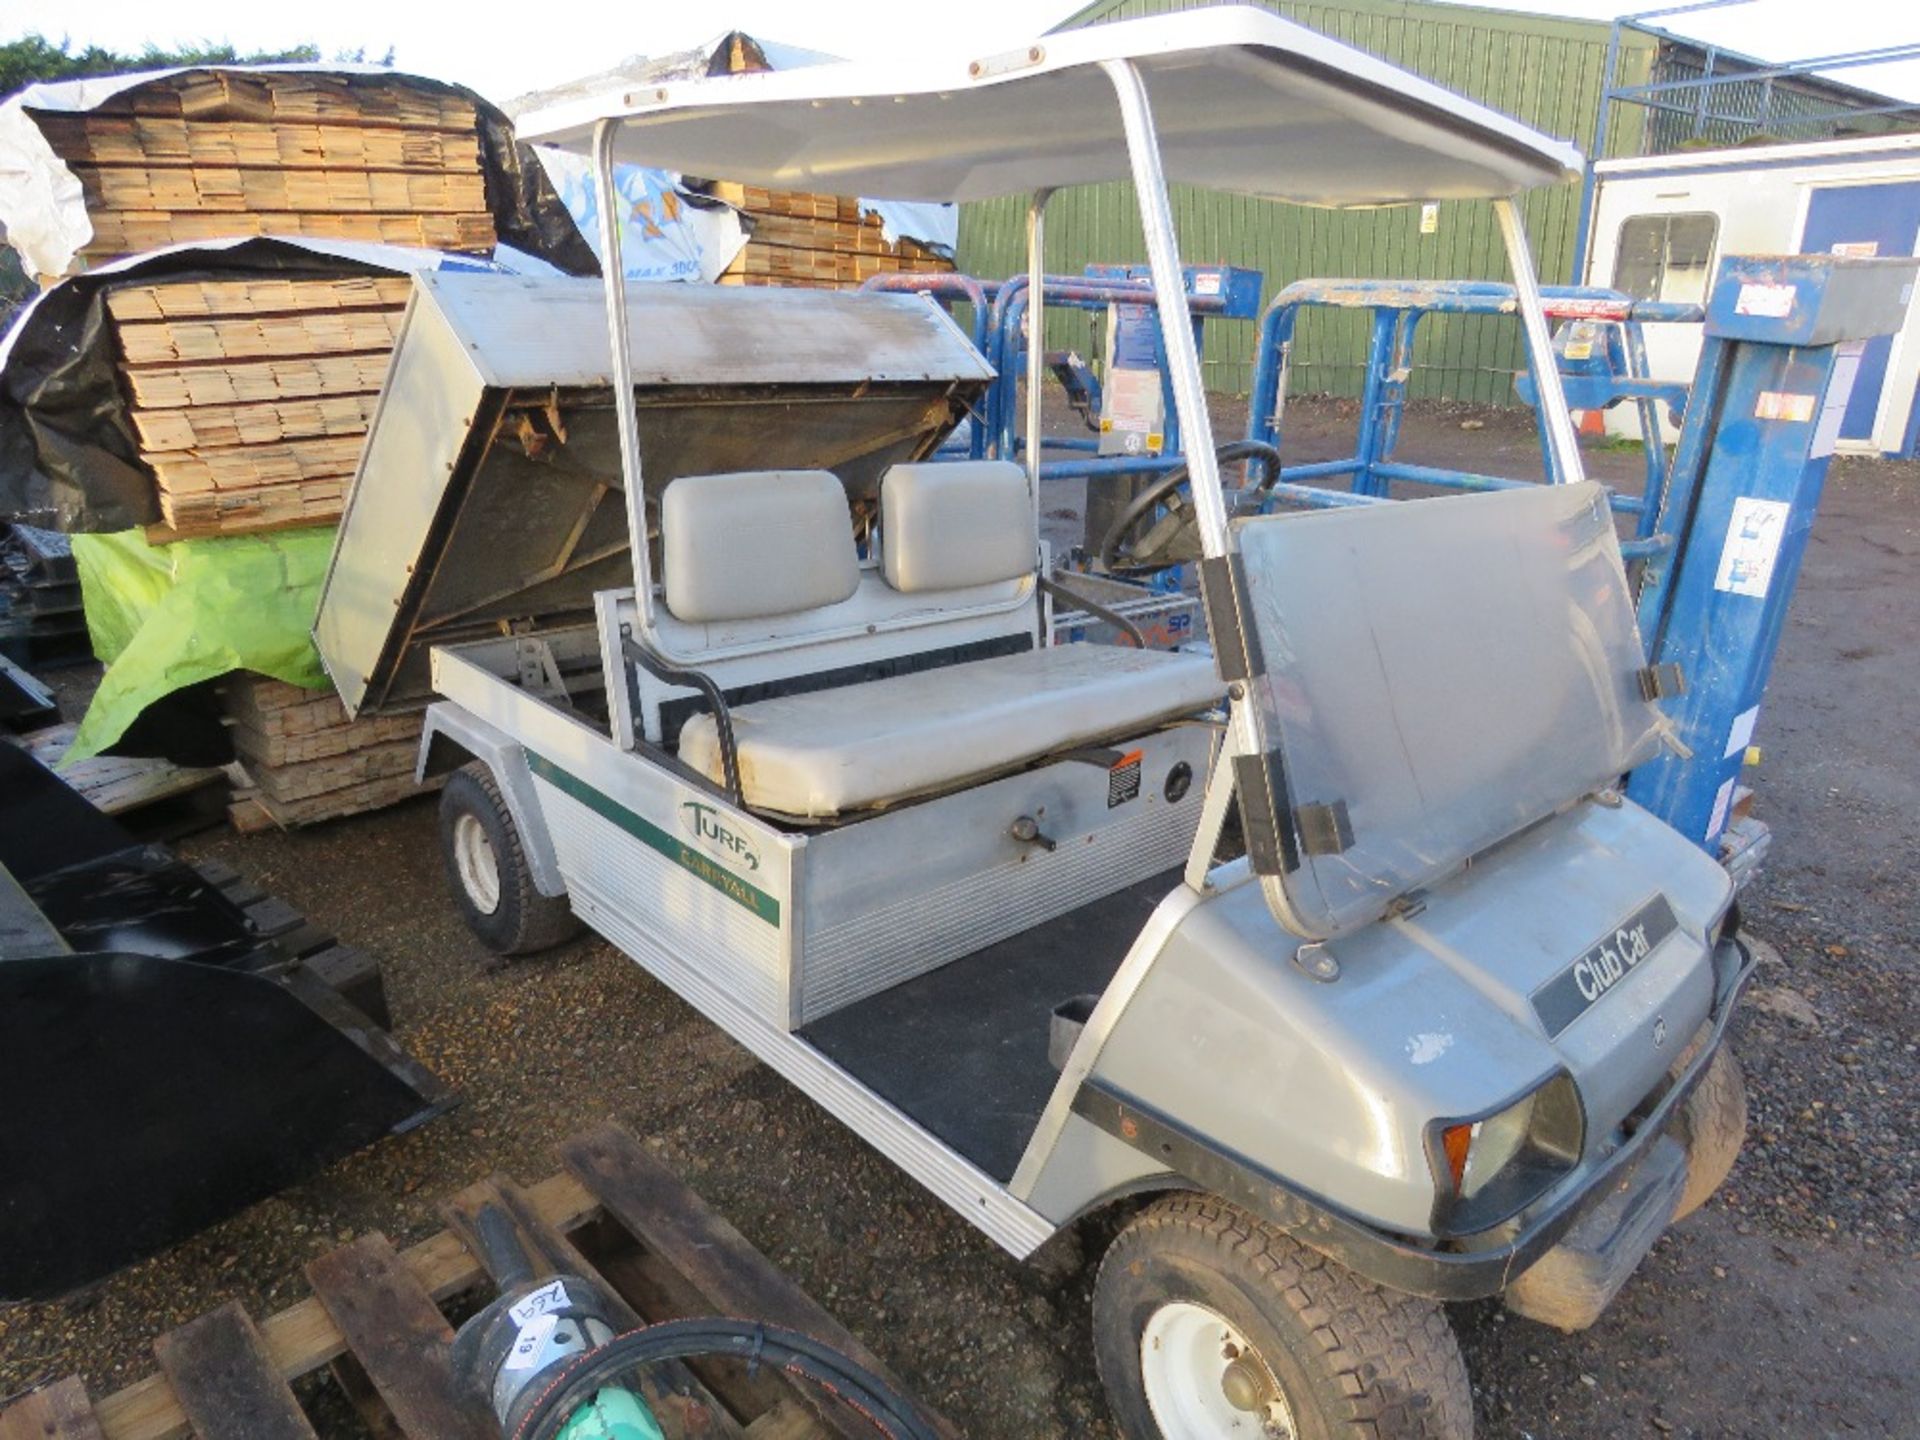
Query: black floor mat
[963, 1050]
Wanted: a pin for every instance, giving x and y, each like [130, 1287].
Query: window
[1665, 257]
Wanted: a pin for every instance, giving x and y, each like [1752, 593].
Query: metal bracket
[1236, 644]
[1324, 829]
[1266, 819]
[538, 669]
[1661, 682]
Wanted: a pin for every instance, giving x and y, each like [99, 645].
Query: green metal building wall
[1544, 71]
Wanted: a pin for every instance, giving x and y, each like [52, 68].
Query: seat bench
[858, 747]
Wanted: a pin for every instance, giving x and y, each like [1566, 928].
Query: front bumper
[1485, 1264]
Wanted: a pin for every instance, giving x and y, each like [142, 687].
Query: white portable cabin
[1662, 222]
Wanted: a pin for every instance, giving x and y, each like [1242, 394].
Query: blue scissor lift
[1716, 533]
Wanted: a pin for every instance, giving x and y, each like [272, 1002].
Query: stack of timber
[216, 154]
[820, 242]
[250, 397]
[305, 761]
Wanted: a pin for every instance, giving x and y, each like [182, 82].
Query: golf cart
[1335, 957]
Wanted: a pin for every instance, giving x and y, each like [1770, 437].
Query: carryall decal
[651, 835]
[1608, 961]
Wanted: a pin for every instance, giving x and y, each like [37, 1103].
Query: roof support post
[1170, 297]
[613, 276]
[1562, 443]
[1244, 724]
[1036, 338]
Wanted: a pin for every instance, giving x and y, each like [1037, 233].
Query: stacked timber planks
[816, 242]
[308, 762]
[250, 398]
[218, 154]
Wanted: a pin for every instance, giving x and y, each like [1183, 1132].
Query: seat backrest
[956, 524]
[764, 591]
[758, 542]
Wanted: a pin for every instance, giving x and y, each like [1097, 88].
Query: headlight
[1489, 1168]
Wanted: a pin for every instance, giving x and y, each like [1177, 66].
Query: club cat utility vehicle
[1333, 960]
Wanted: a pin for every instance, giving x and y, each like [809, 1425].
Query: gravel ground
[1790, 1305]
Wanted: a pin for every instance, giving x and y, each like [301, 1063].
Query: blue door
[1847, 219]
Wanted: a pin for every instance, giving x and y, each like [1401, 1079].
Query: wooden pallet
[256, 337]
[217, 188]
[848, 237]
[249, 511]
[227, 97]
[296, 378]
[758, 201]
[138, 140]
[114, 784]
[376, 1321]
[126, 232]
[265, 422]
[774, 264]
[195, 299]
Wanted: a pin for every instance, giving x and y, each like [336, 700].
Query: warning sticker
[1206, 282]
[1775, 302]
[1123, 778]
[1753, 545]
[1864, 249]
[1783, 405]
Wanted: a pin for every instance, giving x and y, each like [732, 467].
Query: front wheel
[1712, 1125]
[1210, 1324]
[487, 869]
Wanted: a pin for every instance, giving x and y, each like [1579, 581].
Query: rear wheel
[1712, 1125]
[1210, 1324]
[487, 869]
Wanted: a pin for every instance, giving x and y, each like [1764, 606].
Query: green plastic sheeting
[166, 616]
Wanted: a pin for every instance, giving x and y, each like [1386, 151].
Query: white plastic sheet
[664, 233]
[669, 235]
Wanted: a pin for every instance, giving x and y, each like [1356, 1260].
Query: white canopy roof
[1243, 101]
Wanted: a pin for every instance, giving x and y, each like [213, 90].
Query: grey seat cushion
[863, 746]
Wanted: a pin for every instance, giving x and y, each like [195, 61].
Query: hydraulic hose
[574, 1385]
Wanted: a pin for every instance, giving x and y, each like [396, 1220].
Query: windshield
[1449, 671]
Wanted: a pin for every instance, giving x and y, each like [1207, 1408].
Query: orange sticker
[1783, 405]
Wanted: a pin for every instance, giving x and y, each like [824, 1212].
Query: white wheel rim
[474, 860]
[1186, 1354]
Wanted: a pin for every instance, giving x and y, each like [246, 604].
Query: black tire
[1712, 1125]
[520, 920]
[1349, 1358]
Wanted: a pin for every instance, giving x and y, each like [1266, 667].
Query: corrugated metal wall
[1546, 72]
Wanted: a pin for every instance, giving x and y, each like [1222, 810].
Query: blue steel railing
[999, 324]
[1398, 306]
